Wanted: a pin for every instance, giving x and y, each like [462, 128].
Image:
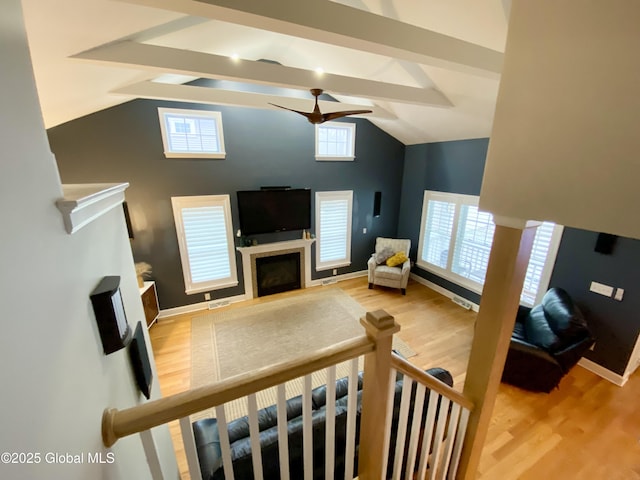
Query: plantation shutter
[473, 243]
[204, 237]
[437, 232]
[537, 262]
[333, 229]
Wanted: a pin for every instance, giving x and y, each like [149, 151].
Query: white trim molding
[443, 291]
[337, 278]
[605, 373]
[196, 307]
[208, 223]
[83, 203]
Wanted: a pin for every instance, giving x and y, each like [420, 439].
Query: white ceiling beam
[329, 22]
[195, 94]
[187, 62]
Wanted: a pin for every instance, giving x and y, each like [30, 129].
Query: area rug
[232, 341]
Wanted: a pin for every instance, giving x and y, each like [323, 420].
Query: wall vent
[218, 303]
[329, 281]
[462, 302]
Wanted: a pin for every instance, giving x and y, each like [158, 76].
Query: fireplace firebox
[278, 273]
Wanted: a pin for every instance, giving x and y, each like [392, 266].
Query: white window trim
[552, 254]
[465, 282]
[217, 116]
[178, 203]
[336, 195]
[352, 135]
[446, 273]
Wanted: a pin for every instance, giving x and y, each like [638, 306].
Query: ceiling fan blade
[291, 110]
[332, 116]
[316, 116]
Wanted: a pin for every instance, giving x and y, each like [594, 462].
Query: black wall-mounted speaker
[377, 204]
[605, 243]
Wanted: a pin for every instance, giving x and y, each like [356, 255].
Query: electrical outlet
[619, 294]
[207, 296]
[364, 230]
[335, 271]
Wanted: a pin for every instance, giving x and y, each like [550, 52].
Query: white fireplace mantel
[276, 248]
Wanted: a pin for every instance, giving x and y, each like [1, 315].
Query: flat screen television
[274, 210]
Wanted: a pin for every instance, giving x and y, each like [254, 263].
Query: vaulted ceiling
[429, 69]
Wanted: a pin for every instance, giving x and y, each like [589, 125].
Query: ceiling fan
[316, 116]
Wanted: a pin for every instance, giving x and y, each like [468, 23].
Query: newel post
[380, 327]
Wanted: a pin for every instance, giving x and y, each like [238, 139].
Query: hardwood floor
[586, 429]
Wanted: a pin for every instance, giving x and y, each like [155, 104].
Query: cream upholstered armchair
[381, 271]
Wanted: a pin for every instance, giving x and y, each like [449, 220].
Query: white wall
[565, 140]
[55, 379]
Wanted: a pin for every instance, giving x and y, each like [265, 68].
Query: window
[205, 239]
[473, 243]
[333, 229]
[456, 238]
[336, 141]
[191, 133]
[543, 256]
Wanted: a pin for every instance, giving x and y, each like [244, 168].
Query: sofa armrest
[406, 270]
[371, 266]
[571, 355]
[530, 367]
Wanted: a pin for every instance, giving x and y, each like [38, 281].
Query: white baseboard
[339, 278]
[443, 291]
[194, 307]
[634, 359]
[605, 373]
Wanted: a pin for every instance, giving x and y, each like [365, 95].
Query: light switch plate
[602, 289]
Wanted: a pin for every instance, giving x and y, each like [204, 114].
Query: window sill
[334, 159]
[84, 203]
[215, 156]
[320, 268]
[452, 277]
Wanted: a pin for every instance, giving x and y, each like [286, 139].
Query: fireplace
[250, 256]
[277, 273]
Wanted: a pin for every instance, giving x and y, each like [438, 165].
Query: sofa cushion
[392, 273]
[538, 331]
[397, 259]
[382, 256]
[319, 394]
[564, 317]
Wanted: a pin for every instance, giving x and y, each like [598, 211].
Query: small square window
[335, 141]
[191, 133]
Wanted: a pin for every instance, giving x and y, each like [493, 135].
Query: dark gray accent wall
[264, 147]
[453, 167]
[457, 167]
[615, 324]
